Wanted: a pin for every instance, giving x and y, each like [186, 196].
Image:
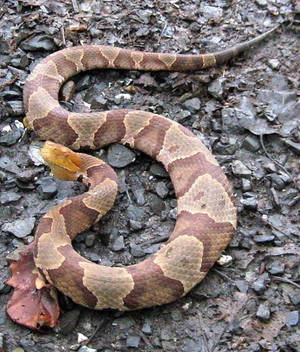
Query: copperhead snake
[206, 218]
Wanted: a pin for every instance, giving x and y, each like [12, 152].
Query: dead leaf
[31, 306]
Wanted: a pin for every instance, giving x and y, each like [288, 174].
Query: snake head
[64, 163]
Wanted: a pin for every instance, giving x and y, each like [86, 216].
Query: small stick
[287, 281]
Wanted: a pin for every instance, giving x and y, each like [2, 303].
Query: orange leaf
[34, 302]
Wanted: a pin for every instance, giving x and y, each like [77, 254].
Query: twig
[156, 240]
[102, 323]
[140, 332]
[274, 161]
[287, 281]
[62, 29]
[224, 276]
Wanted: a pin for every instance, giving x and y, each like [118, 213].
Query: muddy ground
[246, 113]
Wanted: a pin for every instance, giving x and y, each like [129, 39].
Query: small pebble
[133, 341]
[292, 318]
[263, 312]
[20, 228]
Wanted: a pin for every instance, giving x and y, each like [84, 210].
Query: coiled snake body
[206, 213]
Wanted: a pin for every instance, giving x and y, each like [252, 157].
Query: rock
[158, 170]
[139, 194]
[28, 175]
[90, 239]
[47, 188]
[242, 285]
[190, 345]
[262, 3]
[259, 285]
[226, 145]
[279, 182]
[38, 42]
[69, 321]
[135, 225]
[292, 318]
[156, 204]
[251, 143]
[161, 189]
[124, 323]
[8, 197]
[246, 185]
[10, 134]
[1, 342]
[117, 244]
[86, 349]
[295, 296]
[294, 146]
[274, 63]
[239, 169]
[173, 213]
[263, 238]
[120, 156]
[211, 12]
[146, 329]
[135, 213]
[81, 338]
[34, 153]
[133, 341]
[136, 250]
[263, 312]
[193, 105]
[276, 268]
[249, 202]
[20, 228]
[15, 107]
[215, 88]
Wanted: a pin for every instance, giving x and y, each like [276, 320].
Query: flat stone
[20, 228]
[276, 268]
[158, 170]
[215, 88]
[135, 213]
[9, 197]
[161, 190]
[242, 285]
[133, 341]
[263, 238]
[120, 156]
[47, 187]
[263, 312]
[136, 250]
[193, 105]
[147, 328]
[135, 225]
[139, 194]
[292, 318]
[90, 239]
[156, 204]
[86, 349]
[251, 143]
[239, 169]
[118, 244]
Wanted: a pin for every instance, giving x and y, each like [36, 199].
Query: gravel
[246, 112]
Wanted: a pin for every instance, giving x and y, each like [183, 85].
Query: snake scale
[206, 218]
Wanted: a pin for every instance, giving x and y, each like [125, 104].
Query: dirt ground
[247, 112]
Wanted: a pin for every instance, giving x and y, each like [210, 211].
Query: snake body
[206, 218]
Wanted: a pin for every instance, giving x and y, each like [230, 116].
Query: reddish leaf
[33, 303]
